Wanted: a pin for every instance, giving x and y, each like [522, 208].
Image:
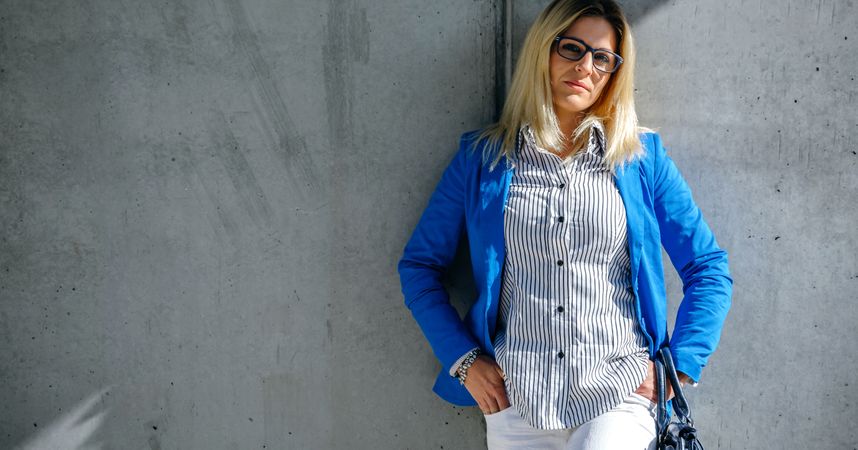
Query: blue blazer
[660, 211]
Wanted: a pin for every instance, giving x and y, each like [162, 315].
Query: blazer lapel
[628, 182]
[494, 188]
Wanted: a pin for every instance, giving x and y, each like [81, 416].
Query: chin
[571, 108]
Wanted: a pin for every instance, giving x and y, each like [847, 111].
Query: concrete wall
[203, 204]
[756, 102]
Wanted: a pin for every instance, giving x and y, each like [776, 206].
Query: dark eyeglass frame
[588, 49]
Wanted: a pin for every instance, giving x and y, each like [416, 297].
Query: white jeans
[629, 426]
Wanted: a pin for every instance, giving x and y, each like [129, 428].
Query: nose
[586, 62]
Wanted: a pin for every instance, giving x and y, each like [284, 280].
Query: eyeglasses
[574, 49]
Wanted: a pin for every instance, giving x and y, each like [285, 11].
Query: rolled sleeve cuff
[459, 361]
[688, 366]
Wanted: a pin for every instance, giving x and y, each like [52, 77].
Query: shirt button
[560, 219]
[560, 355]
[559, 309]
[559, 262]
[562, 185]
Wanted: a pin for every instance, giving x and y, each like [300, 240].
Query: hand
[648, 389]
[485, 382]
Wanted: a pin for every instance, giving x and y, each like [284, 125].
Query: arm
[700, 263]
[426, 256]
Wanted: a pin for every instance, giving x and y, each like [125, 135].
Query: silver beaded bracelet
[462, 371]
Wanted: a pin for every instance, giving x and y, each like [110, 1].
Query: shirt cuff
[459, 361]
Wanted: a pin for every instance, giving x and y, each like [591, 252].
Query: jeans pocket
[493, 415]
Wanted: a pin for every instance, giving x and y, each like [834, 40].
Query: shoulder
[465, 160]
[653, 148]
[651, 141]
[474, 147]
[471, 142]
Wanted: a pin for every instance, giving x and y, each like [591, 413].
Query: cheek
[552, 69]
[600, 86]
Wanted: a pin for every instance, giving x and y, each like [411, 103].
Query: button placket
[557, 211]
[562, 201]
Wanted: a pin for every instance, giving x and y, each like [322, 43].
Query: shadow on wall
[636, 10]
[71, 431]
[524, 13]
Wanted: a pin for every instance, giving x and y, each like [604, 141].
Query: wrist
[685, 379]
[458, 363]
[462, 371]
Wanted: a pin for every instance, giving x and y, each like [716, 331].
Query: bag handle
[664, 368]
[662, 419]
[680, 404]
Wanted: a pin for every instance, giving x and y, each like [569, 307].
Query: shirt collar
[598, 130]
[596, 143]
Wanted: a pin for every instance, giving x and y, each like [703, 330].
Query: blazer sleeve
[426, 256]
[701, 264]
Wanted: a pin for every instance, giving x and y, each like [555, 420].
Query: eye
[572, 47]
[604, 57]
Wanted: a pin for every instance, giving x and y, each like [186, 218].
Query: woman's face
[570, 100]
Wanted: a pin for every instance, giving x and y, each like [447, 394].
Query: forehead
[595, 31]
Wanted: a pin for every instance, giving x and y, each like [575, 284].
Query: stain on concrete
[154, 439]
[174, 18]
[224, 227]
[291, 148]
[347, 41]
[247, 187]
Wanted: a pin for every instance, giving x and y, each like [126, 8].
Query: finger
[484, 407]
[503, 401]
[493, 403]
[500, 396]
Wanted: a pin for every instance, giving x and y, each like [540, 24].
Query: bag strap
[664, 366]
[673, 435]
[662, 419]
[680, 404]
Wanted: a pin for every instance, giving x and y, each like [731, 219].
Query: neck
[569, 121]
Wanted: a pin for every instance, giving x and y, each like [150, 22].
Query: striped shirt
[568, 338]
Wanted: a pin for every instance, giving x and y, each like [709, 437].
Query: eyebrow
[597, 48]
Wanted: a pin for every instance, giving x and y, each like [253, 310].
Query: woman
[566, 204]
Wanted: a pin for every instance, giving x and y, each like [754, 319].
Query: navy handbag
[677, 434]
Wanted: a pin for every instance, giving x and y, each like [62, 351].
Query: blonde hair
[530, 101]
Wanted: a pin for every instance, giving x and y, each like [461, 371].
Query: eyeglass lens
[602, 60]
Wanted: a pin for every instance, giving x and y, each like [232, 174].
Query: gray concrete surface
[756, 102]
[203, 204]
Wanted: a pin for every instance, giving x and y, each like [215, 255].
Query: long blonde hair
[530, 101]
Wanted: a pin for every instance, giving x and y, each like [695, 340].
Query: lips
[577, 84]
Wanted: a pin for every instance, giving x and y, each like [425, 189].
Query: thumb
[500, 371]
